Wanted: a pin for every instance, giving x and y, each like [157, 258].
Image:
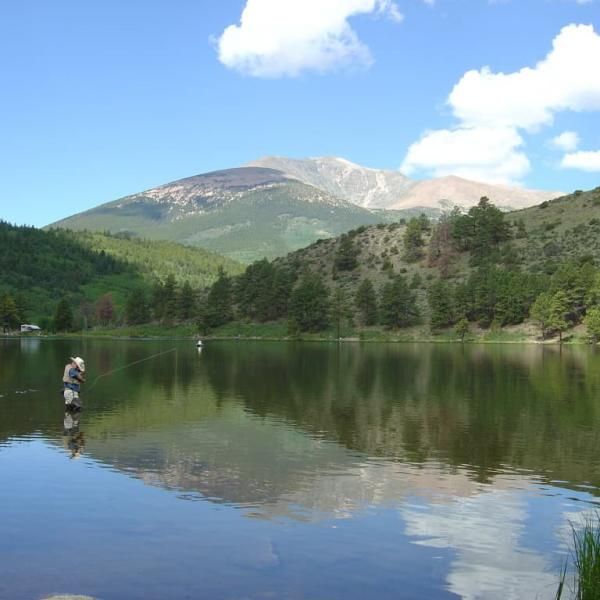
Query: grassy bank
[585, 557]
[522, 334]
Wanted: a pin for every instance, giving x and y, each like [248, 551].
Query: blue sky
[102, 99]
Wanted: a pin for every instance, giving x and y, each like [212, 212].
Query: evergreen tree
[309, 304]
[283, 283]
[559, 308]
[158, 301]
[462, 301]
[170, 299]
[22, 308]
[398, 306]
[461, 329]
[366, 302]
[340, 311]
[263, 290]
[541, 311]
[592, 323]
[218, 309]
[345, 257]
[63, 317]
[137, 310]
[187, 302]
[416, 282]
[576, 281]
[413, 240]
[9, 314]
[439, 297]
[480, 230]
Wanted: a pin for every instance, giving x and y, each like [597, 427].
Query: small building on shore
[26, 328]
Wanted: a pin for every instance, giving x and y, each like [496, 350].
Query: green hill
[38, 267]
[534, 271]
[245, 214]
[156, 259]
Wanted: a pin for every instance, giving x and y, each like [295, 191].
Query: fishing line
[129, 365]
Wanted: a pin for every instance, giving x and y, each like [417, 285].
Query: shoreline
[309, 338]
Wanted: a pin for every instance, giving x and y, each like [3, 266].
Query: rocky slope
[379, 188]
[246, 213]
[369, 188]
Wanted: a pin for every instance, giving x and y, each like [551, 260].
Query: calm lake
[295, 471]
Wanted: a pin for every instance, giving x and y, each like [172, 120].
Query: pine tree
[345, 257]
[187, 302]
[340, 311]
[137, 310]
[63, 317]
[366, 302]
[170, 298]
[461, 329]
[398, 306]
[413, 241]
[592, 322]
[22, 308]
[559, 307]
[439, 297]
[158, 301]
[541, 311]
[309, 304]
[218, 309]
[9, 314]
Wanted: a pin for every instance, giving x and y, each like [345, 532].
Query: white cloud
[584, 161]
[489, 154]
[567, 79]
[485, 103]
[567, 141]
[278, 38]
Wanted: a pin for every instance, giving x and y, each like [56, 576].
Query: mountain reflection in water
[480, 451]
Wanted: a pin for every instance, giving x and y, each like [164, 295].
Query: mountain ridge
[388, 189]
[256, 211]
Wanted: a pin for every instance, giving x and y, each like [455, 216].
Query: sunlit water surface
[284, 471]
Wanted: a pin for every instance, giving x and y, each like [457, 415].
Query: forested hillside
[159, 259]
[38, 268]
[481, 270]
[91, 278]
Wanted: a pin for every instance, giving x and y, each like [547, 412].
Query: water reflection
[477, 454]
[73, 438]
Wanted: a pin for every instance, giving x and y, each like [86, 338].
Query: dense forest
[484, 269]
[466, 272]
[65, 280]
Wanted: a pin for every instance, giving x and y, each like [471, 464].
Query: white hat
[80, 363]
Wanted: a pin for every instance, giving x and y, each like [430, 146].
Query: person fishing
[73, 377]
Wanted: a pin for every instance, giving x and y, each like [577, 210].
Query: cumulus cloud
[566, 141]
[584, 161]
[485, 102]
[567, 79]
[278, 38]
[483, 153]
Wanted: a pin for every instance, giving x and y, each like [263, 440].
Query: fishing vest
[67, 378]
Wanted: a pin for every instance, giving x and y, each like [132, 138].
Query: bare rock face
[204, 192]
[378, 188]
[369, 188]
[451, 191]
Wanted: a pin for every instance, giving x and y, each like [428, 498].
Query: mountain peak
[366, 187]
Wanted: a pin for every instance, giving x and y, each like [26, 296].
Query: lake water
[295, 471]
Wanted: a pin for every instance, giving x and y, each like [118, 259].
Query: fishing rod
[129, 365]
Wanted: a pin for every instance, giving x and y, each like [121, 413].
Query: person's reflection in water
[73, 438]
